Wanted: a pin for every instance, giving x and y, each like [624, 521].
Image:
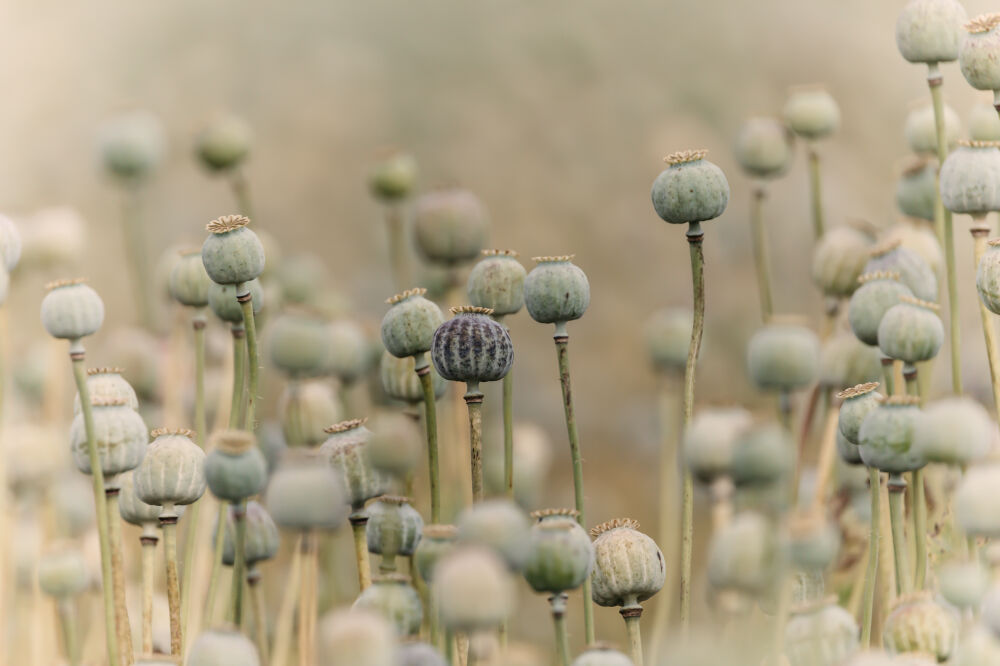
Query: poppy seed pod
[984, 125]
[222, 646]
[10, 243]
[300, 343]
[963, 583]
[224, 144]
[918, 236]
[189, 283]
[394, 528]
[886, 436]
[393, 178]
[970, 178]
[848, 451]
[497, 282]
[708, 442]
[62, 572]
[532, 461]
[858, 401]
[232, 253]
[975, 501]
[988, 276]
[556, 290]
[401, 382]
[979, 53]
[847, 361]
[262, 538]
[107, 384]
[744, 555]
[222, 301]
[560, 555]
[356, 637]
[628, 565]
[472, 347]
[839, 258]
[300, 277]
[132, 509]
[783, 357]
[344, 448]
[172, 471]
[450, 226]
[473, 589]
[393, 597]
[307, 408]
[415, 653]
[916, 189]
[131, 145]
[499, 525]
[409, 324]
[954, 431]
[811, 112]
[235, 469]
[930, 31]
[917, 624]
[990, 611]
[763, 147]
[763, 455]
[913, 270]
[71, 310]
[690, 190]
[119, 433]
[820, 633]
[921, 133]
[879, 291]
[668, 336]
[813, 542]
[348, 359]
[911, 331]
[304, 494]
[436, 541]
[396, 446]
[978, 646]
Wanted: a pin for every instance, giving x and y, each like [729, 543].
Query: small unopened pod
[472, 347]
[436, 542]
[224, 143]
[560, 555]
[300, 277]
[131, 145]
[918, 236]
[393, 178]
[847, 361]
[847, 451]
[132, 509]
[744, 555]
[917, 623]
[879, 291]
[344, 448]
[349, 357]
[222, 301]
[628, 565]
[954, 431]
[988, 276]
[473, 589]
[394, 528]
[307, 408]
[916, 189]
[979, 53]
[409, 324]
[556, 290]
[497, 282]
[984, 125]
[709, 441]
[763, 455]
[812, 541]
[222, 646]
[392, 596]
[172, 472]
[911, 331]
[930, 31]
[120, 435]
[820, 632]
[499, 525]
[532, 462]
[811, 112]
[107, 384]
[397, 445]
[232, 253]
[963, 583]
[416, 653]
[857, 402]
[914, 271]
[235, 468]
[71, 310]
[970, 178]
[450, 226]
[975, 501]
[299, 343]
[262, 537]
[356, 637]
[763, 147]
[305, 494]
[668, 337]
[783, 356]
[691, 189]
[401, 382]
[188, 282]
[62, 571]
[839, 258]
[602, 654]
[921, 133]
[886, 436]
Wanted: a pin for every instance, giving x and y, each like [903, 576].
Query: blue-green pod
[472, 347]
[668, 337]
[62, 572]
[497, 282]
[970, 178]
[222, 301]
[348, 359]
[984, 125]
[119, 433]
[847, 361]
[849, 453]
[821, 633]
[930, 31]
[300, 343]
[916, 189]
[450, 226]
[911, 331]
[222, 646]
[71, 310]
[397, 444]
[975, 501]
[560, 555]
[401, 382]
[132, 145]
[188, 282]
[839, 258]
[224, 144]
[979, 53]
[921, 132]
[628, 565]
[886, 436]
[499, 525]
[393, 178]
[556, 290]
[878, 292]
[744, 555]
[709, 441]
[394, 528]
[988, 276]
[690, 190]
[858, 401]
[473, 590]
[918, 236]
[393, 597]
[783, 357]
[232, 253]
[235, 469]
[954, 431]
[813, 542]
[409, 324]
[436, 542]
[763, 455]
[344, 448]
[811, 112]
[301, 278]
[305, 494]
[916, 623]
[107, 384]
[913, 270]
[262, 537]
[132, 509]
[307, 408]
[763, 147]
[172, 472]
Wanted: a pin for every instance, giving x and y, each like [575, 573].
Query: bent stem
[980, 230]
[168, 523]
[148, 541]
[236, 401]
[558, 603]
[474, 401]
[245, 299]
[239, 563]
[896, 486]
[423, 369]
[359, 523]
[260, 613]
[815, 191]
[631, 612]
[118, 572]
[761, 263]
[874, 483]
[213, 579]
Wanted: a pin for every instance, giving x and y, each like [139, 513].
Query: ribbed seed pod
[188, 282]
[62, 571]
[301, 277]
[878, 292]
[499, 525]
[300, 343]
[858, 401]
[307, 408]
[911, 331]
[690, 190]
[532, 461]
[409, 324]
[744, 555]
[763, 455]
[975, 501]
[813, 542]
[918, 236]
[71, 310]
[913, 271]
[954, 431]
[763, 147]
[393, 178]
[393, 529]
[602, 654]
[977, 647]
[232, 253]
[988, 277]
[222, 646]
[131, 145]
[344, 448]
[848, 451]
[917, 624]
[107, 384]
[628, 565]
[262, 537]
[172, 472]
[839, 258]
[450, 226]
[820, 634]
[668, 336]
[397, 444]
[847, 361]
[471, 347]
[811, 112]
[930, 31]
[400, 380]
[222, 301]
[497, 282]
[709, 441]
[560, 555]
[556, 290]
[224, 144]
[393, 597]
[305, 494]
[984, 125]
[970, 178]
[916, 189]
[415, 653]
[235, 469]
[783, 357]
[132, 509]
[921, 134]
[979, 53]
[356, 638]
[963, 583]
[473, 589]
[886, 436]
[119, 433]
[436, 542]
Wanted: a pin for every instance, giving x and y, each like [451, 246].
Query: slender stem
[286, 611]
[241, 191]
[434, 621]
[239, 352]
[260, 613]
[359, 522]
[148, 541]
[508, 433]
[213, 579]
[396, 224]
[187, 570]
[980, 232]
[100, 501]
[135, 244]
[827, 452]
[239, 564]
[888, 376]
[118, 573]
[198, 324]
[759, 238]
[917, 498]
[815, 190]
[785, 591]
[873, 545]
[430, 423]
[67, 622]
[632, 613]
[168, 522]
[245, 298]
[558, 602]
[474, 401]
[307, 602]
[897, 485]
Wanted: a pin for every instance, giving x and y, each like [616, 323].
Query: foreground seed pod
[131, 145]
[878, 292]
[763, 455]
[847, 361]
[71, 310]
[393, 529]
[668, 336]
[963, 583]
[560, 555]
[232, 253]
[307, 408]
[188, 282]
[393, 178]
[917, 624]
[172, 472]
[954, 431]
[262, 537]
[344, 448]
[300, 343]
[356, 637]
[763, 147]
[473, 589]
[62, 572]
[984, 125]
[450, 226]
[436, 542]
[556, 290]
[970, 178]
[744, 555]
[690, 190]
[979, 54]
[497, 282]
[409, 324]
[222, 301]
[235, 469]
[930, 31]
[811, 112]
[628, 565]
[783, 357]
[916, 189]
[400, 380]
[222, 646]
[710, 440]
[471, 347]
[224, 144]
[392, 597]
[820, 633]
[988, 277]
[886, 436]
[305, 494]
[911, 331]
[913, 270]
[498, 525]
[838, 260]
[975, 501]
[119, 433]
[858, 401]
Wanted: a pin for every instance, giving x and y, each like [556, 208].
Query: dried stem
[148, 541]
[168, 522]
[118, 574]
[359, 522]
[474, 401]
[558, 603]
[430, 422]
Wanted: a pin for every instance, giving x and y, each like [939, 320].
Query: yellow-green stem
[213, 579]
[897, 486]
[118, 574]
[359, 522]
[871, 573]
[148, 541]
[239, 354]
[245, 298]
[759, 241]
[430, 423]
[474, 401]
[168, 523]
[286, 611]
[241, 191]
[239, 562]
[396, 227]
[558, 603]
[888, 376]
[193, 521]
[918, 498]
[135, 244]
[631, 613]
[260, 613]
[815, 189]
[67, 622]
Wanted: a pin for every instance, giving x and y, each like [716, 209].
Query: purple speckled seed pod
[471, 347]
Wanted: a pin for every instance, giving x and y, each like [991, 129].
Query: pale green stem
[241, 191]
[67, 621]
[239, 562]
[508, 433]
[194, 511]
[396, 227]
[558, 602]
[918, 499]
[815, 188]
[759, 238]
[888, 376]
[631, 613]
[239, 353]
[897, 485]
[873, 545]
[430, 423]
[359, 523]
[260, 613]
[148, 541]
[118, 573]
[135, 246]
[168, 522]
[245, 298]
[474, 401]
[213, 580]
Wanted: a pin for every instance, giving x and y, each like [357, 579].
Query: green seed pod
[394, 527]
[690, 190]
[224, 144]
[763, 455]
[763, 148]
[601, 654]
[560, 555]
[921, 133]
[911, 331]
[131, 145]
[917, 624]
[414, 653]
[499, 525]
[473, 589]
[300, 343]
[304, 494]
[930, 31]
[497, 282]
[886, 436]
[988, 277]
[978, 646]
[397, 445]
[472, 347]
[532, 461]
[188, 282]
[744, 555]
[913, 270]
[556, 290]
[307, 408]
[975, 501]
[344, 448]
[393, 178]
[107, 384]
[302, 277]
[172, 472]
[970, 178]
[879, 291]
[846, 361]
[62, 572]
[839, 258]
[820, 633]
[356, 637]
[132, 509]
[963, 583]
[235, 469]
[10, 243]
[55, 238]
[918, 236]
[262, 537]
[990, 612]
[450, 226]
[710, 440]
[71, 310]
[916, 189]
[984, 125]
[436, 542]
[232, 253]
[849, 453]
[858, 401]
[668, 336]
[783, 356]
[401, 382]
[222, 300]
[222, 646]
[628, 565]
[393, 597]
[408, 326]
[954, 431]
[811, 112]
[119, 433]
[349, 358]
[813, 542]
[979, 53]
